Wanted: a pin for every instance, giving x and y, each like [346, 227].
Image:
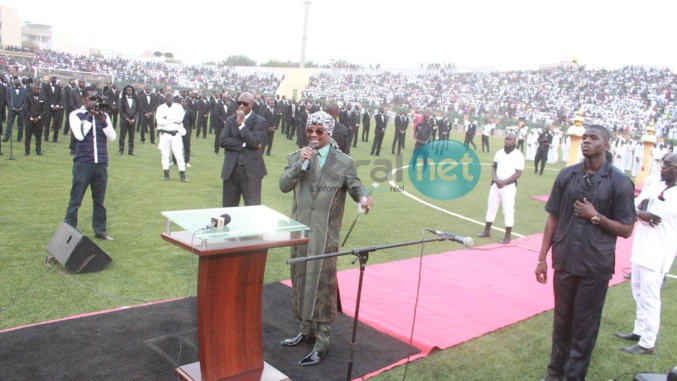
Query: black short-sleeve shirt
[579, 246]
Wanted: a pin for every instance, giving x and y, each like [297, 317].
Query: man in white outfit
[170, 127]
[653, 252]
[507, 168]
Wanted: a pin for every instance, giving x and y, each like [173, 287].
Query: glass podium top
[245, 221]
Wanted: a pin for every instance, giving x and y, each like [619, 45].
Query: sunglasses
[242, 103]
[588, 186]
[318, 132]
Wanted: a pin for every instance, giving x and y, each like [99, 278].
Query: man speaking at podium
[320, 175]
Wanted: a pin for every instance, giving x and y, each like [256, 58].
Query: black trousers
[217, 138]
[33, 129]
[269, 142]
[485, 140]
[398, 140]
[239, 185]
[147, 127]
[201, 126]
[376, 145]
[579, 302]
[365, 133]
[520, 145]
[356, 132]
[126, 128]
[469, 141]
[542, 157]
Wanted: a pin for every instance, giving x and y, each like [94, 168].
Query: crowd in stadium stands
[624, 99]
[152, 73]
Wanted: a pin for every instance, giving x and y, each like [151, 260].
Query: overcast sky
[518, 34]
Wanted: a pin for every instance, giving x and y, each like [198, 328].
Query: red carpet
[464, 294]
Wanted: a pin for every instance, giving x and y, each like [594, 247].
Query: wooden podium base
[191, 372]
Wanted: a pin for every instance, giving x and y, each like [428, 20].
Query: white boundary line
[401, 190]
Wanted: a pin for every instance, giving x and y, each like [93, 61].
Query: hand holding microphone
[307, 153]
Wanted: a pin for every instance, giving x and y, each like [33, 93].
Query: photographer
[91, 127]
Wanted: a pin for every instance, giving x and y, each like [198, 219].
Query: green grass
[35, 190]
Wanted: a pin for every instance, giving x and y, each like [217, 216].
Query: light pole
[304, 37]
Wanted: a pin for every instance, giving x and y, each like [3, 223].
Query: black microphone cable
[418, 293]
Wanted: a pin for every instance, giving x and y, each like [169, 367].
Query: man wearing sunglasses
[243, 166]
[591, 204]
[320, 175]
[653, 251]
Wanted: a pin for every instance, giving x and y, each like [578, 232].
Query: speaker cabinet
[76, 252]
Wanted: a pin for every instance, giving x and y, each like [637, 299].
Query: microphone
[307, 162]
[465, 241]
[218, 222]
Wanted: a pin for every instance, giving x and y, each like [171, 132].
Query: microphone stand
[363, 255]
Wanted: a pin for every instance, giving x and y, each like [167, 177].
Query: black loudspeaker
[77, 252]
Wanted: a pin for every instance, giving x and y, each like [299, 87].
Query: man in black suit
[188, 123]
[269, 116]
[214, 102]
[381, 123]
[279, 111]
[340, 134]
[470, 135]
[53, 97]
[283, 106]
[129, 112]
[147, 105]
[35, 109]
[401, 123]
[3, 100]
[301, 138]
[76, 103]
[219, 116]
[243, 165]
[293, 112]
[203, 107]
[192, 104]
[112, 98]
[16, 99]
[355, 121]
[67, 102]
[366, 121]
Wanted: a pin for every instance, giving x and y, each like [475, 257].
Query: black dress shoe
[26, 153]
[627, 336]
[103, 237]
[296, 340]
[132, 154]
[637, 350]
[313, 358]
[39, 153]
[120, 153]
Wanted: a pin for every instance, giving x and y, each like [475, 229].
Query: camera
[99, 104]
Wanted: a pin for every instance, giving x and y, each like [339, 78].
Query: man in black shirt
[590, 205]
[544, 140]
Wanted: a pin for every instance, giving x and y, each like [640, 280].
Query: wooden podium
[230, 287]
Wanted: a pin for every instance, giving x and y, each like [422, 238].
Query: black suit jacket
[340, 136]
[75, 99]
[232, 138]
[129, 112]
[366, 119]
[269, 116]
[204, 106]
[145, 106]
[35, 108]
[381, 122]
[52, 97]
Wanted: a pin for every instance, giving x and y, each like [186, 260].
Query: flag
[575, 60]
